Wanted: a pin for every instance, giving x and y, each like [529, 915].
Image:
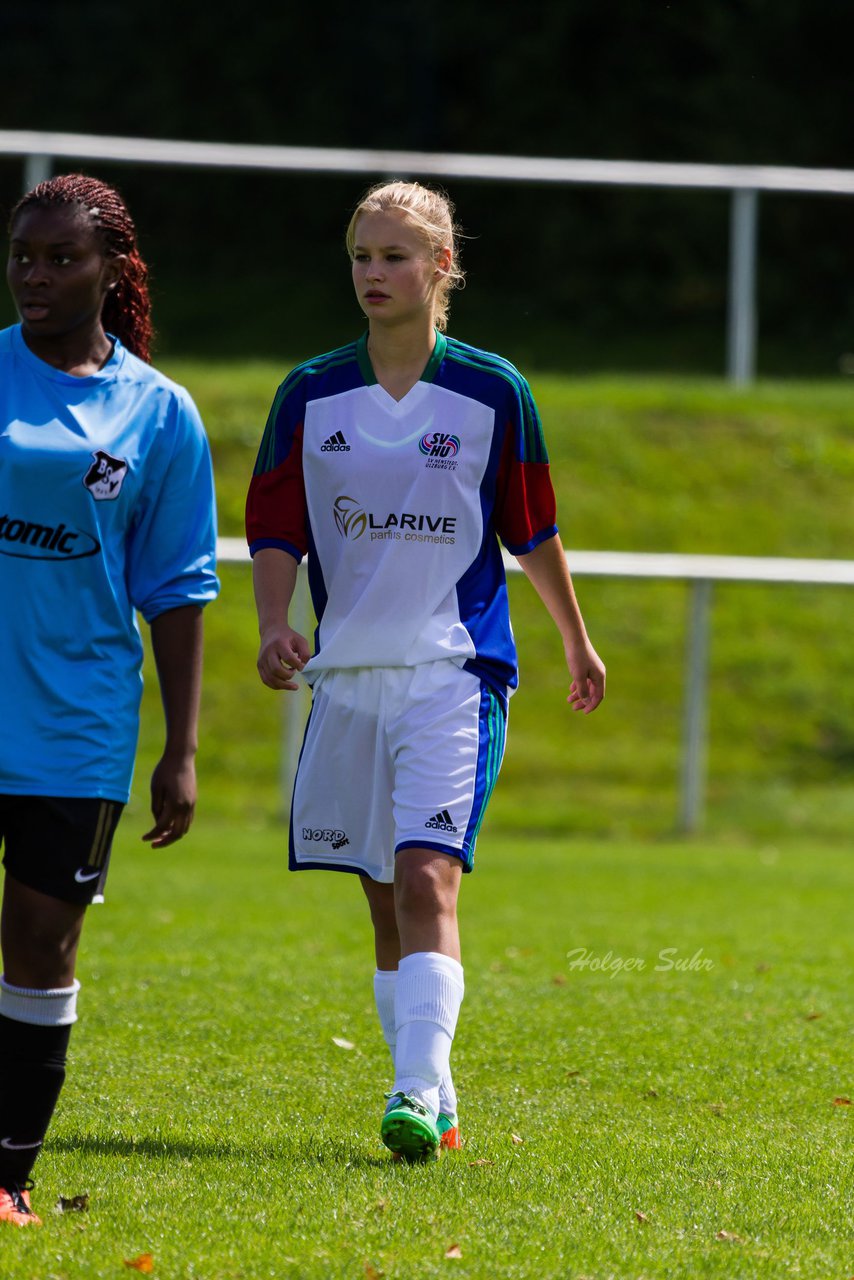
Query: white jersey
[398, 504]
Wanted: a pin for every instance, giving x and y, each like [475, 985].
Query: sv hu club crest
[439, 444]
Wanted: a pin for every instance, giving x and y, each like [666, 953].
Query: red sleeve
[525, 507]
[276, 512]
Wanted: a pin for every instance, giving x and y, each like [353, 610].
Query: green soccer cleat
[408, 1130]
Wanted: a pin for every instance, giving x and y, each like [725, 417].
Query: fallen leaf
[342, 1043]
[842, 1102]
[730, 1236]
[514, 1137]
[651, 1093]
[144, 1263]
[559, 979]
[454, 1252]
[73, 1204]
[474, 1164]
[570, 1074]
[641, 1217]
[811, 1017]
[371, 1272]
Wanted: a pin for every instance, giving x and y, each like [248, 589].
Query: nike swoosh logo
[18, 1146]
[82, 876]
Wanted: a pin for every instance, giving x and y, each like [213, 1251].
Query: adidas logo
[335, 444]
[441, 822]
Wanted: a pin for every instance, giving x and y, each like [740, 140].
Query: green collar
[367, 369]
[436, 358]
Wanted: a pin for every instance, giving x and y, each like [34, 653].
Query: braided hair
[127, 308]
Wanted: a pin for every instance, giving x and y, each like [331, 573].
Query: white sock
[56, 1007]
[448, 1097]
[429, 993]
[384, 987]
[385, 983]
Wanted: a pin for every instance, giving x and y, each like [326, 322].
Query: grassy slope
[652, 465]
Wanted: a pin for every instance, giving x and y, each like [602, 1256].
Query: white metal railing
[744, 182]
[701, 571]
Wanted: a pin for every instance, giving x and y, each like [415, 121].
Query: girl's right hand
[283, 652]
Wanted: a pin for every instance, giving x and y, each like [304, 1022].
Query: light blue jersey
[106, 508]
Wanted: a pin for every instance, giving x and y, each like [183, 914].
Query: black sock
[32, 1073]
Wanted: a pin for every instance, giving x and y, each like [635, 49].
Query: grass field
[676, 1117]
[654, 1052]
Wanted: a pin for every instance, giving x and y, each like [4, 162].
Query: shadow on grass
[319, 1152]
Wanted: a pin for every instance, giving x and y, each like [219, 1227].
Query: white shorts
[395, 758]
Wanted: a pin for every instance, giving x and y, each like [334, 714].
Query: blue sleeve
[171, 555]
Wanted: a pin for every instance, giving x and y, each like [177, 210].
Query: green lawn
[663, 1024]
[652, 1046]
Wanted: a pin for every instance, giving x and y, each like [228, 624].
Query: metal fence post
[741, 317]
[695, 721]
[294, 702]
[37, 168]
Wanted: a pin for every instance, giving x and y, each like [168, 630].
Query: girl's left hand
[588, 677]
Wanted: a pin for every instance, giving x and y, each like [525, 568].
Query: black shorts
[59, 845]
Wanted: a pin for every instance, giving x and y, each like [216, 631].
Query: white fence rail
[701, 571]
[744, 182]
